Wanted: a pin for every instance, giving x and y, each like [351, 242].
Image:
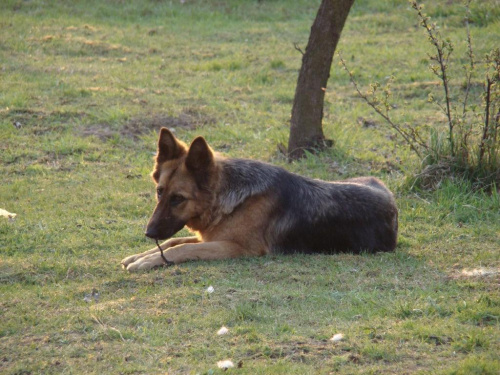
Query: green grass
[89, 83]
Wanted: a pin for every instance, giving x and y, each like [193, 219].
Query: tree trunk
[306, 132]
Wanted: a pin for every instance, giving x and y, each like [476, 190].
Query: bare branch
[444, 50]
[411, 139]
[470, 55]
[296, 46]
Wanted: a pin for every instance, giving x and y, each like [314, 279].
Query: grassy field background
[84, 88]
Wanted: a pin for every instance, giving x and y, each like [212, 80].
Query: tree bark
[306, 132]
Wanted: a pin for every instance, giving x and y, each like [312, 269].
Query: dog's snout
[151, 233]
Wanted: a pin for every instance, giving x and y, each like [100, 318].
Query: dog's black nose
[152, 233]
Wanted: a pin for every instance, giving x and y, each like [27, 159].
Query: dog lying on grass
[239, 207]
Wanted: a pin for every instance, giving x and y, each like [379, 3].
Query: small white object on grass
[222, 331]
[7, 214]
[210, 289]
[225, 364]
[337, 337]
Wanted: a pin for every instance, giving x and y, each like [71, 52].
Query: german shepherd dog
[239, 207]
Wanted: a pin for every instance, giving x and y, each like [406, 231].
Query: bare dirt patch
[477, 273]
[40, 121]
[189, 119]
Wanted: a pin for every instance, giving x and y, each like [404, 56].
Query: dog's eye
[159, 192]
[176, 200]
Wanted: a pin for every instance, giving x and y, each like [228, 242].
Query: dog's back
[312, 216]
[241, 207]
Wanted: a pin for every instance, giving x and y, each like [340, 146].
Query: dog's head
[183, 177]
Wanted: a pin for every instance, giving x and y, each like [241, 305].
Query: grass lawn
[84, 88]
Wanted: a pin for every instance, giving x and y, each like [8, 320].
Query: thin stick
[167, 262]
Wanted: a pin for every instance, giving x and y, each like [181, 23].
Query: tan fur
[241, 234]
[166, 245]
[246, 227]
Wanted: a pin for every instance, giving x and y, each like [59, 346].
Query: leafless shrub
[470, 148]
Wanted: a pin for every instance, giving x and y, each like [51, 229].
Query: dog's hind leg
[164, 246]
[191, 251]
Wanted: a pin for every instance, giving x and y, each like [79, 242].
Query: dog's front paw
[139, 266]
[129, 260]
[145, 263]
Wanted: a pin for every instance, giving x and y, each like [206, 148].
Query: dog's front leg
[167, 244]
[190, 251]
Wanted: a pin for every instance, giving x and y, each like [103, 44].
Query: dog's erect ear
[200, 157]
[168, 146]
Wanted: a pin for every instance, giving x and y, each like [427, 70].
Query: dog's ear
[200, 157]
[168, 146]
